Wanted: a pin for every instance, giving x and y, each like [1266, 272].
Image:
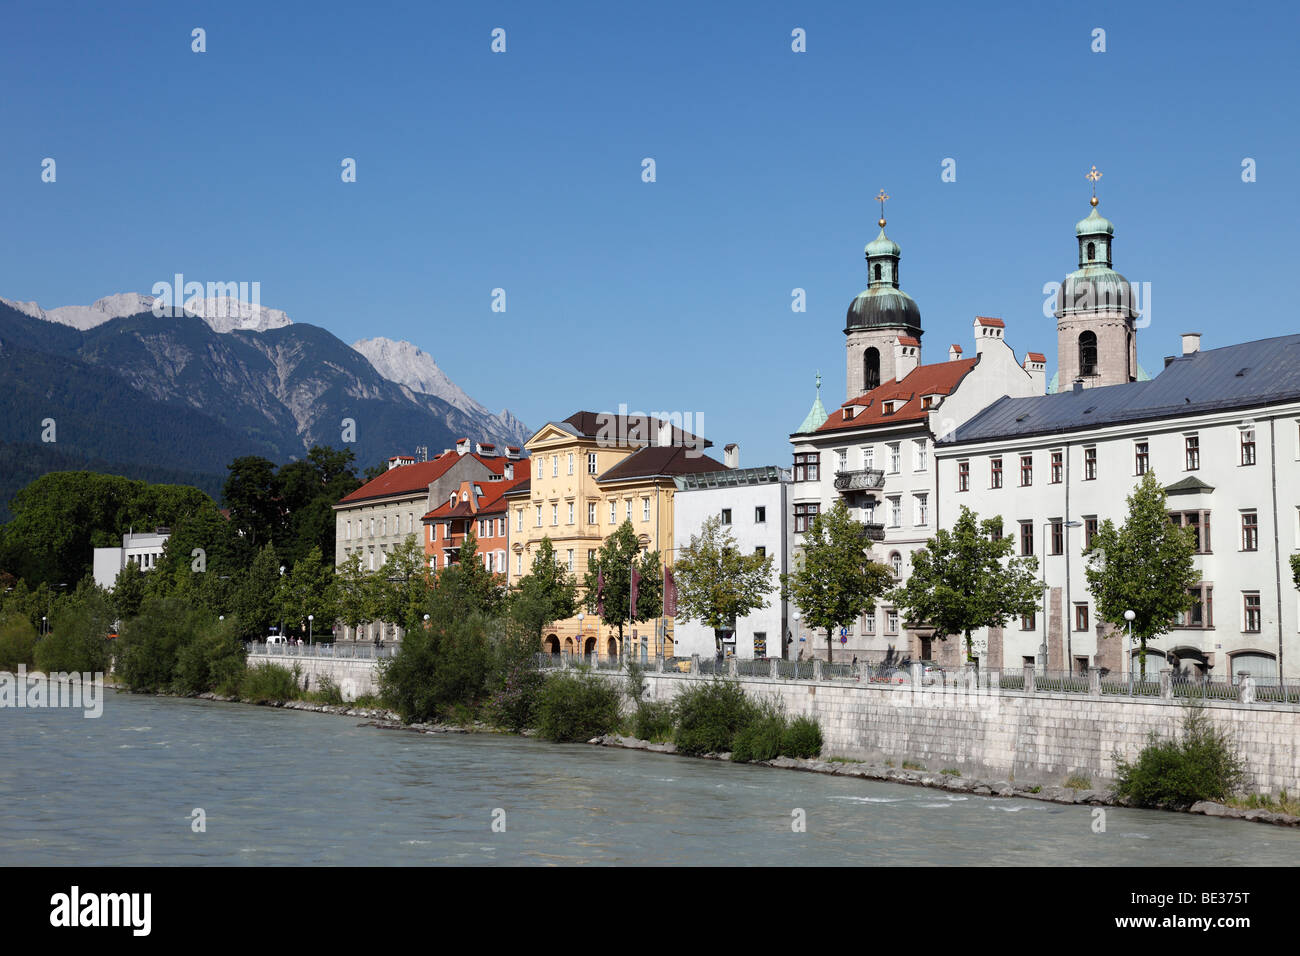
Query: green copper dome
[882, 245]
[1094, 225]
[883, 305]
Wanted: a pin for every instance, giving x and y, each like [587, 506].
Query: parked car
[277, 640]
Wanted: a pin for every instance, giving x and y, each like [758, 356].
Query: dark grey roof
[1249, 375]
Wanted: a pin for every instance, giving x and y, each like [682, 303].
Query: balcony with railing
[861, 479]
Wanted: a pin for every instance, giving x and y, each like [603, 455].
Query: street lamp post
[310, 618]
[581, 632]
[1128, 623]
[794, 654]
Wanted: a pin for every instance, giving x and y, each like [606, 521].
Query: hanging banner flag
[600, 596]
[670, 594]
[636, 579]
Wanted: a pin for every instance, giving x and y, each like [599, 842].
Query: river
[282, 787]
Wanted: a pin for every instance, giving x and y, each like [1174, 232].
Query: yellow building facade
[589, 474]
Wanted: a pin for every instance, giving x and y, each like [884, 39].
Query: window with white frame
[555, 466]
[519, 563]
[539, 516]
[613, 512]
[1248, 445]
[539, 466]
[841, 459]
[555, 515]
[895, 510]
[591, 462]
[645, 509]
[627, 512]
[920, 454]
[570, 512]
[921, 508]
[569, 559]
[570, 462]
[591, 512]
[895, 457]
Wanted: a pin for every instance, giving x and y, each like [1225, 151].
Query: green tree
[309, 587]
[356, 590]
[619, 552]
[716, 584]
[17, 642]
[129, 591]
[1146, 565]
[548, 593]
[466, 587]
[836, 580]
[256, 596]
[402, 585]
[251, 495]
[78, 635]
[967, 578]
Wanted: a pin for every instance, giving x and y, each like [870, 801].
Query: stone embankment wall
[1042, 738]
[355, 678]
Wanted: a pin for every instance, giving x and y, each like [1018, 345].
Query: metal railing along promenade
[338, 651]
[1022, 680]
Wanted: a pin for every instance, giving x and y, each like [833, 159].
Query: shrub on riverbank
[514, 706]
[17, 642]
[653, 720]
[710, 714]
[436, 669]
[803, 738]
[270, 682]
[78, 635]
[150, 644]
[1172, 772]
[213, 660]
[763, 736]
[577, 707]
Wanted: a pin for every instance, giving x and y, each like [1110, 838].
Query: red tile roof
[938, 379]
[1036, 357]
[909, 340]
[957, 347]
[986, 320]
[491, 502]
[410, 479]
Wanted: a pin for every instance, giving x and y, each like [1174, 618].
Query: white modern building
[145, 549]
[1219, 428]
[752, 505]
[875, 452]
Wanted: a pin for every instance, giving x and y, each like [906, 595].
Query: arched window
[1088, 353]
[877, 271]
[1092, 251]
[896, 563]
[870, 369]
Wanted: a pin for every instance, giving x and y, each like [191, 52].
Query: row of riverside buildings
[910, 445]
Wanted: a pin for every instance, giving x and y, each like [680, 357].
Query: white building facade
[144, 550]
[1220, 429]
[875, 452]
[751, 504]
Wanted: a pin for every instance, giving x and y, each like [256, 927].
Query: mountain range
[112, 387]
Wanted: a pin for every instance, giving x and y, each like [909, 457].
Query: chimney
[462, 446]
[907, 356]
[731, 455]
[1191, 342]
[510, 471]
[1078, 385]
[1036, 368]
[987, 331]
[665, 433]
[954, 352]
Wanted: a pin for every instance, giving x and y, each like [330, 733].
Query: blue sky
[522, 171]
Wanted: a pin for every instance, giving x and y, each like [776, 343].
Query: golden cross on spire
[881, 199]
[1093, 175]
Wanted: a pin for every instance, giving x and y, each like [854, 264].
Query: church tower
[1096, 316]
[878, 317]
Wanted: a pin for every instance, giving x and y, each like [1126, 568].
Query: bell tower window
[1092, 251]
[877, 272]
[1088, 353]
[871, 368]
